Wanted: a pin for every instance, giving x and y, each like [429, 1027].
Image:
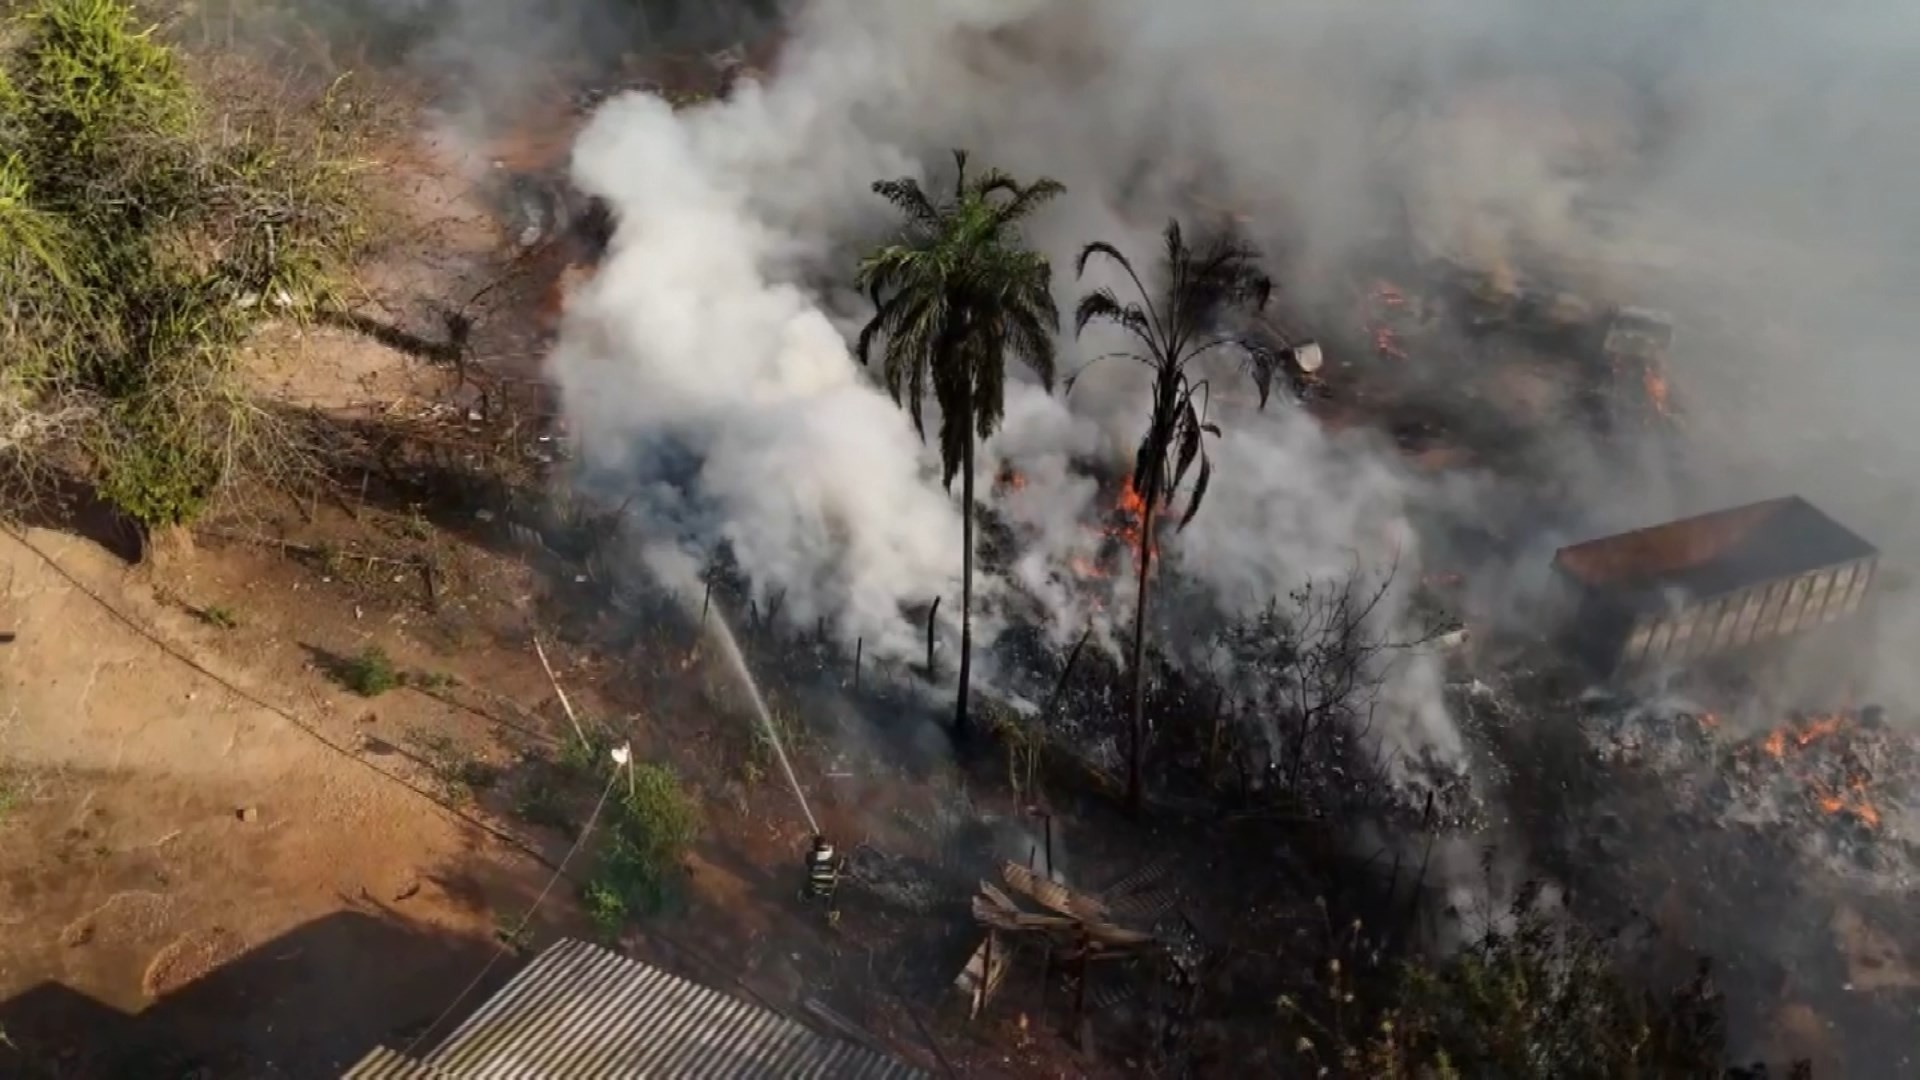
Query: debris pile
[1135, 958]
[1843, 781]
[1838, 786]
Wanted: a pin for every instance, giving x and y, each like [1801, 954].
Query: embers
[1837, 786]
[1837, 766]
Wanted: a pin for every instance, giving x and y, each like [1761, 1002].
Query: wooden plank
[975, 980]
[1051, 894]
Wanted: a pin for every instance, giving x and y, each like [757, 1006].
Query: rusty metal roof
[581, 1012]
[1715, 553]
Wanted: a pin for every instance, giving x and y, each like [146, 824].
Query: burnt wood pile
[1134, 956]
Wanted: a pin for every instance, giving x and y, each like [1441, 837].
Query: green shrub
[219, 617]
[154, 465]
[371, 673]
[650, 829]
[143, 235]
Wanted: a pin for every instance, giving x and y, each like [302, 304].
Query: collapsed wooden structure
[1071, 930]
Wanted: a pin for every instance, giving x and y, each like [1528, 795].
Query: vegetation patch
[460, 775]
[541, 801]
[219, 617]
[651, 824]
[144, 234]
[371, 673]
[1537, 996]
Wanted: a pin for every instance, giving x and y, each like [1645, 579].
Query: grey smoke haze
[1740, 164]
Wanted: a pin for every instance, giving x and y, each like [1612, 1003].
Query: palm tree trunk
[962, 722]
[1137, 725]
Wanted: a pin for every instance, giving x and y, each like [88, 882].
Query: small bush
[763, 756]
[651, 826]
[219, 617]
[371, 673]
[584, 756]
[474, 775]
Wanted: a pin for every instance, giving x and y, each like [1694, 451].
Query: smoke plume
[1733, 165]
[707, 365]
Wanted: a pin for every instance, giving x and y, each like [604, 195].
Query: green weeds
[371, 673]
[651, 823]
[144, 234]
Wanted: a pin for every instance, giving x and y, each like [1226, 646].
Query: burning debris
[1840, 787]
[1636, 348]
[1845, 778]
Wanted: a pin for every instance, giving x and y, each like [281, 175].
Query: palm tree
[1168, 334]
[953, 296]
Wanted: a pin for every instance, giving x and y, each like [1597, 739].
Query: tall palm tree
[956, 293]
[1170, 330]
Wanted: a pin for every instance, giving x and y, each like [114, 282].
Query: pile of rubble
[1840, 787]
[1843, 782]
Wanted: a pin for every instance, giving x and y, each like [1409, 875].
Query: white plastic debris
[1307, 356]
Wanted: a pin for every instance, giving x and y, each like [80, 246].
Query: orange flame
[1010, 479]
[1132, 508]
[1818, 727]
[1853, 801]
[1656, 388]
[1776, 744]
[1802, 736]
[1121, 530]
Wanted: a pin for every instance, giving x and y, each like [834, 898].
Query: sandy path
[159, 825]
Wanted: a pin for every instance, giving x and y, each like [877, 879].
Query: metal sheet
[385, 1064]
[580, 1011]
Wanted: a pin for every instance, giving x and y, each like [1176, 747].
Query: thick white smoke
[707, 364]
[690, 351]
[1687, 155]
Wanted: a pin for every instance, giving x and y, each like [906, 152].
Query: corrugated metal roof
[580, 1011]
[385, 1064]
[1711, 554]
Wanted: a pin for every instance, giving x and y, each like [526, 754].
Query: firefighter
[823, 875]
